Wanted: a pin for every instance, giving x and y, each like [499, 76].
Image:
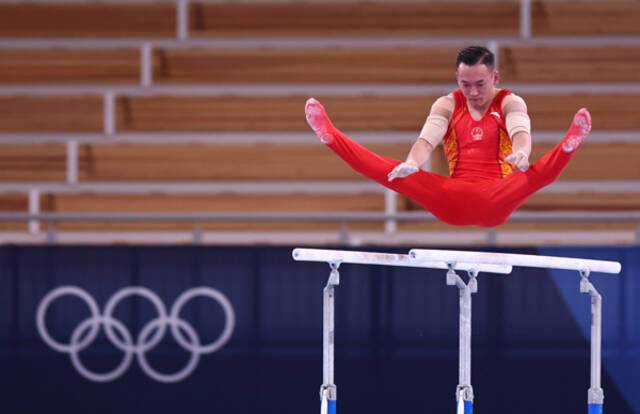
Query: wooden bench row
[25, 113]
[294, 203]
[437, 18]
[306, 161]
[324, 65]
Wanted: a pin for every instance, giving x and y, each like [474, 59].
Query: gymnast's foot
[319, 121]
[578, 131]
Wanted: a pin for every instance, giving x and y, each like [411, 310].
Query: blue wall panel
[7, 299]
[620, 303]
[396, 334]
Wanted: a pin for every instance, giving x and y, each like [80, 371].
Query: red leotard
[483, 189]
[474, 149]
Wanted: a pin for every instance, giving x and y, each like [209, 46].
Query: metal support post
[525, 19]
[182, 19]
[464, 390]
[390, 208]
[596, 394]
[328, 390]
[34, 208]
[109, 113]
[72, 161]
[146, 64]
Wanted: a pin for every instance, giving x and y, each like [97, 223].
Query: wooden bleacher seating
[518, 64]
[186, 162]
[305, 161]
[308, 161]
[353, 65]
[583, 201]
[231, 202]
[345, 65]
[87, 20]
[575, 201]
[495, 18]
[134, 163]
[38, 162]
[267, 113]
[69, 66]
[31, 113]
[350, 113]
[353, 18]
[585, 18]
[599, 161]
[528, 226]
[575, 64]
[13, 203]
[298, 203]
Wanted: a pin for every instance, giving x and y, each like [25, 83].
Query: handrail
[390, 235]
[331, 216]
[519, 260]
[285, 89]
[252, 137]
[277, 187]
[318, 42]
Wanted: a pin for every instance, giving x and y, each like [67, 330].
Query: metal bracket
[330, 391]
[473, 282]
[464, 392]
[585, 285]
[334, 276]
[452, 276]
[596, 396]
[453, 279]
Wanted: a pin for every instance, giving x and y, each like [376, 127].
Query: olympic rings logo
[149, 336]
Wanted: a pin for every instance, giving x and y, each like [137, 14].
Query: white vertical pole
[390, 207]
[525, 19]
[328, 390]
[182, 19]
[464, 390]
[494, 48]
[465, 336]
[328, 333]
[595, 395]
[34, 208]
[146, 74]
[596, 339]
[109, 118]
[72, 161]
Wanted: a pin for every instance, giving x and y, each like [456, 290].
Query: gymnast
[486, 135]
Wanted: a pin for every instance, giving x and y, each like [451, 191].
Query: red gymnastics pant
[458, 201]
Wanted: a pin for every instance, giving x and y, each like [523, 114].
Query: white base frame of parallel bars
[473, 263]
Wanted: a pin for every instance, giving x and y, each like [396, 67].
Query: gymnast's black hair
[474, 55]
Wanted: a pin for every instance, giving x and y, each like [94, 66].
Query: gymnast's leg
[509, 193]
[423, 187]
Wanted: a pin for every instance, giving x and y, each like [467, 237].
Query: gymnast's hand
[519, 159]
[402, 170]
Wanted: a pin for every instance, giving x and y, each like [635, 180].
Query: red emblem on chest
[476, 134]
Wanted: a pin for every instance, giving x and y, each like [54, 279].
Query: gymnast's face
[477, 83]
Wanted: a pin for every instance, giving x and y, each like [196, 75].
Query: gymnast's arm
[519, 128]
[432, 133]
